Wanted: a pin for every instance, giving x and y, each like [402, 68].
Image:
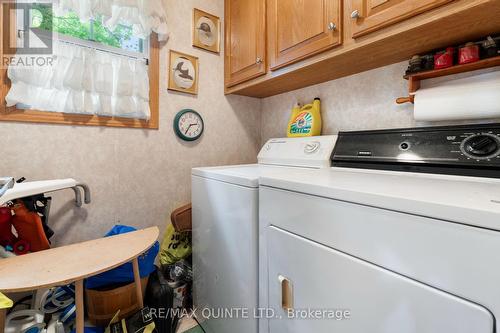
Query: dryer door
[314, 288]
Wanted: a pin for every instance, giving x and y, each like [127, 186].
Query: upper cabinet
[298, 29]
[276, 46]
[245, 42]
[372, 15]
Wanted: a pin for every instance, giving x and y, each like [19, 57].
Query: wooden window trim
[13, 114]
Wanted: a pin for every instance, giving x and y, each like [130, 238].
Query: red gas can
[468, 53]
[444, 59]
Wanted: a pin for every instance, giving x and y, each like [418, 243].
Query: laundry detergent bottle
[306, 120]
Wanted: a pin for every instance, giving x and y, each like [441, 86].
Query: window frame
[14, 114]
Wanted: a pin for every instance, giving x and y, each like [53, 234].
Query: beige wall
[136, 176]
[363, 101]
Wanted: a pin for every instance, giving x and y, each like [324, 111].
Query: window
[93, 34]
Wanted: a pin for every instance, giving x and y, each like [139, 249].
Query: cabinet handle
[286, 293]
[259, 61]
[332, 26]
[355, 14]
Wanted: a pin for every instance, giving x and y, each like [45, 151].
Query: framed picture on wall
[183, 73]
[206, 31]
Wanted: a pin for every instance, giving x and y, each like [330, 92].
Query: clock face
[188, 125]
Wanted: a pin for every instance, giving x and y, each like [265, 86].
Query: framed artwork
[183, 73]
[206, 31]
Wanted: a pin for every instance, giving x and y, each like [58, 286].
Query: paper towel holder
[414, 79]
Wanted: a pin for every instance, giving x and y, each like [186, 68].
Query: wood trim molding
[13, 114]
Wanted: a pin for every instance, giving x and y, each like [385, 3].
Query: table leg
[80, 310]
[137, 280]
[3, 313]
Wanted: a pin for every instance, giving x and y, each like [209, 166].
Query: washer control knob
[481, 146]
[312, 147]
[404, 146]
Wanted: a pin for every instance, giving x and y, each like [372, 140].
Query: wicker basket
[102, 305]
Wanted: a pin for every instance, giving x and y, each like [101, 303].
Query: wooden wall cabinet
[245, 42]
[371, 15]
[303, 48]
[298, 29]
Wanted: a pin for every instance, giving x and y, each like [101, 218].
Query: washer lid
[276, 157]
[467, 200]
[248, 175]
[244, 175]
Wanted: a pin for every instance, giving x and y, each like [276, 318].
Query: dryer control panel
[460, 150]
[307, 152]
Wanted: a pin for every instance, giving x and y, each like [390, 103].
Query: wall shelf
[414, 79]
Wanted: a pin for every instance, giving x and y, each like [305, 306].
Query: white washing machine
[401, 235]
[225, 203]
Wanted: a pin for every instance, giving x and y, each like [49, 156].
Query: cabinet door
[301, 28]
[314, 288]
[372, 15]
[245, 51]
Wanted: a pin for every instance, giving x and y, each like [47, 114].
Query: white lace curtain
[88, 81]
[145, 16]
[83, 81]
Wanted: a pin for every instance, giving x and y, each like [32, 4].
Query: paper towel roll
[475, 97]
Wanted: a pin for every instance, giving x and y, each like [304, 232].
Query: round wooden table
[72, 264]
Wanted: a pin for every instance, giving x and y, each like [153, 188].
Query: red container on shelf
[444, 59]
[468, 53]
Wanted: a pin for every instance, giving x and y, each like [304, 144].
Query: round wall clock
[188, 125]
